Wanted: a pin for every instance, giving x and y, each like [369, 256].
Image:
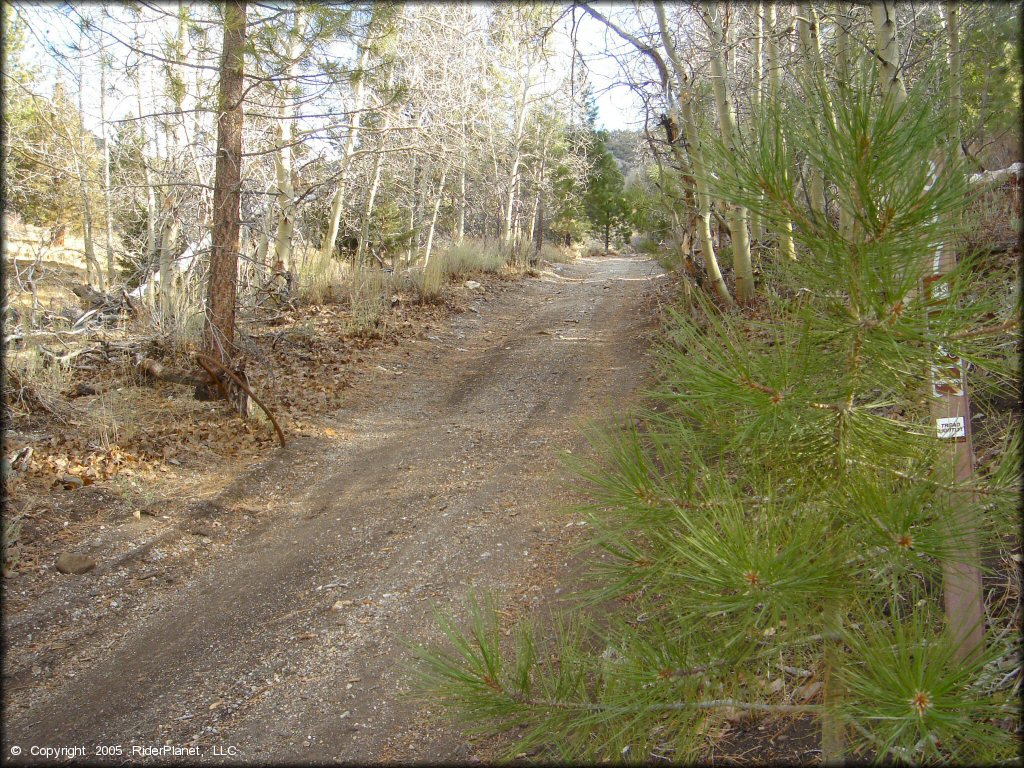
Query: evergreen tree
[776, 521]
[130, 216]
[570, 222]
[605, 200]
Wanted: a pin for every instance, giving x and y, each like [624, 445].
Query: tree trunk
[460, 221]
[152, 243]
[220, 301]
[517, 153]
[91, 263]
[757, 54]
[807, 23]
[532, 237]
[168, 241]
[284, 187]
[338, 202]
[844, 26]
[887, 50]
[786, 247]
[684, 103]
[371, 197]
[737, 215]
[108, 211]
[952, 18]
[433, 219]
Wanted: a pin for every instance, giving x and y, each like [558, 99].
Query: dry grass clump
[33, 385]
[472, 257]
[428, 282]
[319, 278]
[555, 254]
[363, 290]
[456, 262]
[366, 293]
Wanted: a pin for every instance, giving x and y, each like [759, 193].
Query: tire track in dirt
[290, 645]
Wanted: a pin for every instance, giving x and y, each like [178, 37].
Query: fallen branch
[205, 361]
[52, 357]
[157, 370]
[1014, 171]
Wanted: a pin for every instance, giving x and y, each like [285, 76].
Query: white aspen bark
[433, 219]
[887, 50]
[756, 86]
[532, 232]
[460, 220]
[736, 215]
[205, 181]
[82, 167]
[422, 198]
[414, 201]
[844, 25]
[364, 231]
[410, 249]
[534, 214]
[807, 24]
[517, 152]
[787, 249]
[371, 197]
[844, 28]
[108, 219]
[951, 14]
[684, 100]
[152, 245]
[168, 240]
[338, 202]
[284, 188]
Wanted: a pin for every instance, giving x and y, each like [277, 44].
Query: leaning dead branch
[207, 362]
[152, 369]
[155, 370]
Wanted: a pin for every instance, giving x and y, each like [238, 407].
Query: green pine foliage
[605, 200]
[774, 520]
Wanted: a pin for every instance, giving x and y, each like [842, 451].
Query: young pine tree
[605, 199]
[776, 521]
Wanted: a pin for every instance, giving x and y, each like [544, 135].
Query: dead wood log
[1011, 172]
[63, 359]
[153, 369]
[90, 297]
[102, 306]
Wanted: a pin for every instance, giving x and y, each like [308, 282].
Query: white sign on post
[951, 428]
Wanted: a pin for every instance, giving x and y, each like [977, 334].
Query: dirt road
[282, 636]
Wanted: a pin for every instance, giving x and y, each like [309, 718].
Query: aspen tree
[785, 226]
[736, 215]
[756, 88]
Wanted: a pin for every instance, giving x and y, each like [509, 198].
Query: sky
[618, 108]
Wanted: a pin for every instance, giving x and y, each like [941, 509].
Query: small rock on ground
[72, 563]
